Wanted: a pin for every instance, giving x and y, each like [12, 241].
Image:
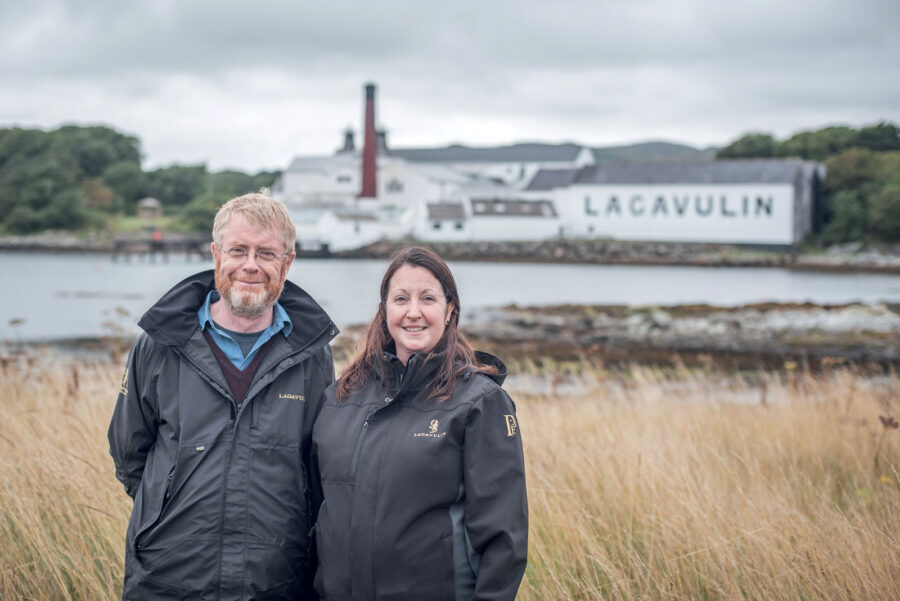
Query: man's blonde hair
[262, 211]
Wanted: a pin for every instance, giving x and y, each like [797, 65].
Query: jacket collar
[173, 319]
[421, 369]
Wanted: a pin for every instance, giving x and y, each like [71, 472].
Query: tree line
[83, 177]
[862, 186]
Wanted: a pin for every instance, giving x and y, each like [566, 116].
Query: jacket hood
[489, 359]
[173, 319]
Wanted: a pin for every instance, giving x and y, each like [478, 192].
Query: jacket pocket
[277, 418]
[275, 571]
[186, 570]
[333, 542]
[153, 510]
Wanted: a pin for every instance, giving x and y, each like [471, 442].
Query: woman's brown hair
[452, 350]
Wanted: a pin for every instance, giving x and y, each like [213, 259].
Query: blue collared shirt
[280, 323]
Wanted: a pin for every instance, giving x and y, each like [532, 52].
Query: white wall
[513, 228]
[416, 187]
[738, 213]
[345, 235]
[330, 184]
[447, 232]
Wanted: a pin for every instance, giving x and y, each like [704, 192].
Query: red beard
[247, 303]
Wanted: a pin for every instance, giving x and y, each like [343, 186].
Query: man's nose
[250, 262]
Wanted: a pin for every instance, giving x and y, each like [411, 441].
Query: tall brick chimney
[370, 146]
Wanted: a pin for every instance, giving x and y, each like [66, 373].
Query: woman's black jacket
[423, 499]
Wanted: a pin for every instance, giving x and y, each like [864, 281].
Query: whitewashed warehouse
[534, 191]
[759, 201]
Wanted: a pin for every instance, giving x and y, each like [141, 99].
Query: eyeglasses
[262, 255]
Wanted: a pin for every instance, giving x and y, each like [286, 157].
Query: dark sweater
[238, 380]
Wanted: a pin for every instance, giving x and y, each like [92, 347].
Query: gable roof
[149, 202]
[739, 171]
[318, 163]
[502, 207]
[548, 179]
[446, 210]
[515, 153]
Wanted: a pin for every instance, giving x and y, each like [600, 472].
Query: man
[211, 430]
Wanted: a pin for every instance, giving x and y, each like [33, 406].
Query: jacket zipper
[228, 455]
[365, 427]
[359, 442]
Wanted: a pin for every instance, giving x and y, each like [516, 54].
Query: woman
[420, 456]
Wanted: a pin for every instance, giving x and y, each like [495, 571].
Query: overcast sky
[251, 85]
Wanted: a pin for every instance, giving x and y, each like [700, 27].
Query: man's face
[250, 285]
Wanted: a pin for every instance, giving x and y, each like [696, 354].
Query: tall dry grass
[642, 485]
[62, 515]
[681, 486]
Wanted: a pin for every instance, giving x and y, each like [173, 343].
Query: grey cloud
[585, 67]
[83, 38]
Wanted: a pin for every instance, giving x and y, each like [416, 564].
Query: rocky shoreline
[779, 336]
[853, 257]
[762, 335]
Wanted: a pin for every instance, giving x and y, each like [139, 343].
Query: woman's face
[416, 310]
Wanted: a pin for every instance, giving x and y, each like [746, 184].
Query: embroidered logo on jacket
[432, 431]
[293, 397]
[512, 426]
[123, 389]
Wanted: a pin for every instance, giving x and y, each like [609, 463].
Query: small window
[458, 225]
[344, 179]
[395, 186]
[436, 225]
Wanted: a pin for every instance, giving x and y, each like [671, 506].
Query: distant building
[540, 191]
[149, 208]
[488, 218]
[754, 201]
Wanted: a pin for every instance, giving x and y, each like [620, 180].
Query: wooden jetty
[158, 245]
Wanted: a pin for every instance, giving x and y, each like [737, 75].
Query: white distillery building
[425, 201]
[757, 202]
[753, 201]
[337, 179]
[539, 191]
